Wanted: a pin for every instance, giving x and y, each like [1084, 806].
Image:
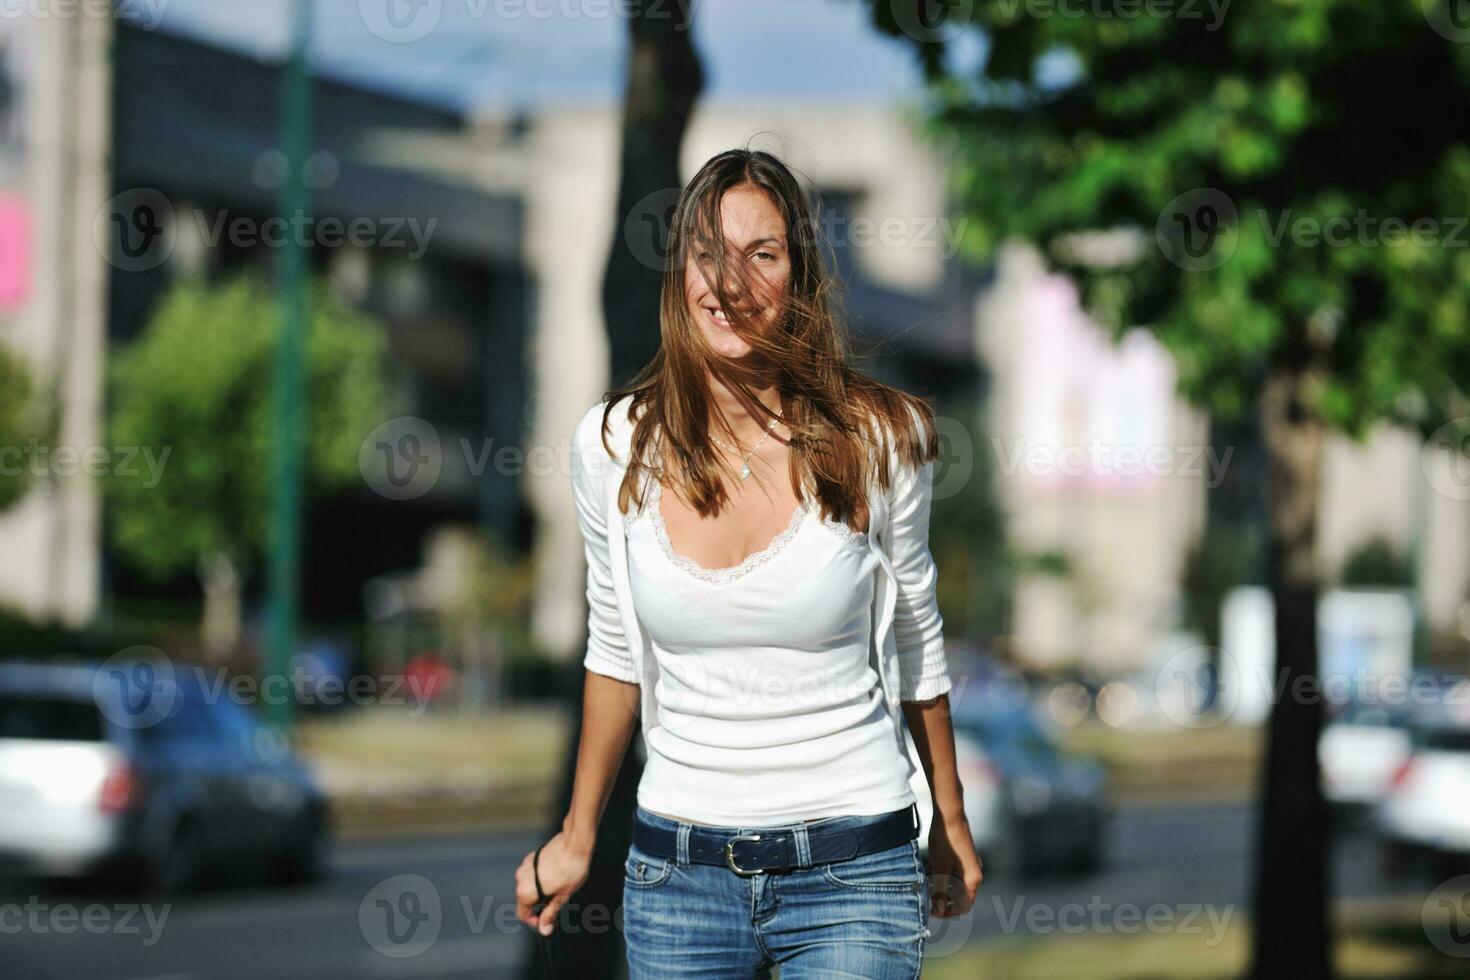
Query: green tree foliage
[1299, 172]
[1286, 188]
[197, 385]
[22, 420]
[1376, 564]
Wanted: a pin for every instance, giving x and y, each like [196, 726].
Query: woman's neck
[741, 421]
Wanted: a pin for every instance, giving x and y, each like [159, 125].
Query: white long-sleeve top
[905, 647]
[768, 710]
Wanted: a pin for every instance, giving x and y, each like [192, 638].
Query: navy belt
[775, 850]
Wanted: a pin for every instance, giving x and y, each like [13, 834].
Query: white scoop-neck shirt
[768, 709]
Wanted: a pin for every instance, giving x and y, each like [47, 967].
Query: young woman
[761, 593]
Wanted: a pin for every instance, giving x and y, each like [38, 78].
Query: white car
[1427, 810]
[1359, 752]
[157, 792]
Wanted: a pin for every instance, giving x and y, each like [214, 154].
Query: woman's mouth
[717, 316]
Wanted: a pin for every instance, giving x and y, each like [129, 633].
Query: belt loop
[803, 847]
[682, 858]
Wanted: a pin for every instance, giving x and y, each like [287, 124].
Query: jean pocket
[896, 869]
[644, 870]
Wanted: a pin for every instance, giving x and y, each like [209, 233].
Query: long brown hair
[841, 420]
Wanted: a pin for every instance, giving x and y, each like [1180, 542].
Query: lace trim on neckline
[718, 576]
[844, 532]
[722, 575]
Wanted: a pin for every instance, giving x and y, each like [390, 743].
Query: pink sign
[15, 252]
[1095, 412]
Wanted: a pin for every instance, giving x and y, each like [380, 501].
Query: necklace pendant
[745, 471]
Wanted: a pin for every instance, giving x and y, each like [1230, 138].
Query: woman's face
[755, 235]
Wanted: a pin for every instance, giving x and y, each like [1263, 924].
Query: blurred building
[439, 262]
[1415, 498]
[124, 154]
[55, 124]
[1104, 464]
[1101, 463]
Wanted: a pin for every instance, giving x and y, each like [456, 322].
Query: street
[1185, 865]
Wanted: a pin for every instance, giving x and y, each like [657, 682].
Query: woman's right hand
[563, 869]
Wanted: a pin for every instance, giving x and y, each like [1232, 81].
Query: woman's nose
[735, 290]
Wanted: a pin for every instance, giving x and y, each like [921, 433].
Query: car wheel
[1090, 859]
[179, 868]
[122, 876]
[300, 858]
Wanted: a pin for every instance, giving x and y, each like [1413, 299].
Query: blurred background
[300, 303]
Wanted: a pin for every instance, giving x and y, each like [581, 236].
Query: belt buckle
[730, 855]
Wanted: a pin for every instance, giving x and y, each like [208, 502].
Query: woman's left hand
[953, 865]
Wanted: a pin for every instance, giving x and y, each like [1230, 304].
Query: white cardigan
[907, 648]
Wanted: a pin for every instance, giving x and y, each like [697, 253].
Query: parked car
[89, 786]
[1359, 751]
[1426, 814]
[1053, 805]
[983, 803]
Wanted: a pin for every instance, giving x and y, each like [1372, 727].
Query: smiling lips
[718, 315]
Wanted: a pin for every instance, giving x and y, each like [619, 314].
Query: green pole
[289, 395]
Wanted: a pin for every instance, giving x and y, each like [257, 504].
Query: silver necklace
[745, 461]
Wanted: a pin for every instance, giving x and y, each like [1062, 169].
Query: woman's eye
[765, 256]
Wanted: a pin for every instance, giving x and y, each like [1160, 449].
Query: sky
[496, 53]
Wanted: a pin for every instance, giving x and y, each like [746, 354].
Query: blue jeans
[864, 918]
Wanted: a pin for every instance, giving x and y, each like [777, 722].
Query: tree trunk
[1292, 924]
[219, 577]
[664, 79]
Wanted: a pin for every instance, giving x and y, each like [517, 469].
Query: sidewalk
[389, 770]
[1174, 765]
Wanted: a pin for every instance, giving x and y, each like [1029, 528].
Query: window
[49, 719]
